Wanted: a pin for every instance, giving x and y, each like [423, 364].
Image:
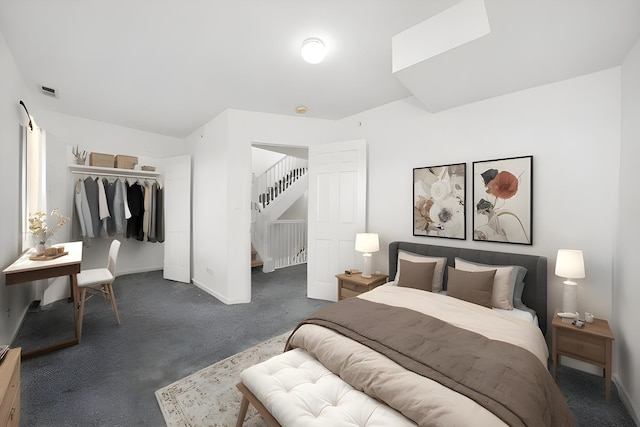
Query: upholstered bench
[294, 389]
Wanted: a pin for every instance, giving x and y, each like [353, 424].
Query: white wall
[262, 159]
[222, 192]
[211, 162]
[298, 210]
[14, 299]
[572, 128]
[626, 292]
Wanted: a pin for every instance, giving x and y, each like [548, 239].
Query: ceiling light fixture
[301, 109]
[313, 50]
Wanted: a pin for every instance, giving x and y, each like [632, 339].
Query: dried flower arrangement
[38, 225]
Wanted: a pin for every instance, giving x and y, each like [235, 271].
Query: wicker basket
[126, 162]
[102, 160]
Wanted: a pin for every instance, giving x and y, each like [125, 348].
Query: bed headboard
[535, 289]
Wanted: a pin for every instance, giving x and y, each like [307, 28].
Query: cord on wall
[27, 111]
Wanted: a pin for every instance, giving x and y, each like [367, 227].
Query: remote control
[567, 315]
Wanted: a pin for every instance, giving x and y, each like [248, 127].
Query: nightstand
[10, 389]
[350, 286]
[591, 344]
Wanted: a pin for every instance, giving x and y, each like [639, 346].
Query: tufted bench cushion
[297, 390]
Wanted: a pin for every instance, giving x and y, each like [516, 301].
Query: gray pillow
[471, 286]
[417, 275]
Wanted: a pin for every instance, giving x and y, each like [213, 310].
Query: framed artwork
[438, 201]
[503, 200]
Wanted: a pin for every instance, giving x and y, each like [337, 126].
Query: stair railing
[277, 178]
[287, 244]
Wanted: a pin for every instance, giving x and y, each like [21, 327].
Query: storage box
[149, 168]
[126, 162]
[102, 160]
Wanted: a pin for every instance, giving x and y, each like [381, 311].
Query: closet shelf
[97, 170]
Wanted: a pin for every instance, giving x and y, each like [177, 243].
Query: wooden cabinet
[591, 344]
[10, 389]
[350, 286]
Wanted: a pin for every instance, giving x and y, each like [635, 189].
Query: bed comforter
[437, 360]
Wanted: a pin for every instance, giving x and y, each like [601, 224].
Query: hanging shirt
[118, 208]
[110, 191]
[91, 190]
[152, 213]
[83, 211]
[135, 197]
[160, 215]
[127, 212]
[147, 209]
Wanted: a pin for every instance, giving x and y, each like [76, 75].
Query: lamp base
[570, 297]
[366, 268]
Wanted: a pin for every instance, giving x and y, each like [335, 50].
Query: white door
[177, 218]
[337, 211]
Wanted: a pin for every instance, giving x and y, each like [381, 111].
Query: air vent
[49, 91]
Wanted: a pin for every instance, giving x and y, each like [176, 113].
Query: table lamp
[367, 243]
[570, 265]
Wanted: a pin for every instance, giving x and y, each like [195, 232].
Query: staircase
[255, 262]
[279, 243]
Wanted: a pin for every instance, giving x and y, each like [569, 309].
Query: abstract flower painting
[439, 200]
[503, 200]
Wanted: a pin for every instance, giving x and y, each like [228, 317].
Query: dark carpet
[170, 330]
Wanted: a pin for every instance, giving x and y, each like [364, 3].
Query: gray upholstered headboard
[535, 289]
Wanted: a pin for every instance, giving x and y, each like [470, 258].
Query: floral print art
[502, 199]
[439, 201]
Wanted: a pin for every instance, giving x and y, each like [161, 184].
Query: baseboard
[139, 270]
[628, 402]
[217, 295]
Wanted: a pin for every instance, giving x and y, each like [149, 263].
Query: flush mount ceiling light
[301, 109]
[313, 50]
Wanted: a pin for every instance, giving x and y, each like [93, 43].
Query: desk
[24, 270]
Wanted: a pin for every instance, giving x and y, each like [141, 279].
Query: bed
[436, 355]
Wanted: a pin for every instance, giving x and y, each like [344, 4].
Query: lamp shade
[367, 242]
[570, 264]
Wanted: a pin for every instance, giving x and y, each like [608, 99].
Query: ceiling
[169, 67]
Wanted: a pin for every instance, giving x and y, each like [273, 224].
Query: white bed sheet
[520, 314]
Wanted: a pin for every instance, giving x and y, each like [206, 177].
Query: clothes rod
[114, 174]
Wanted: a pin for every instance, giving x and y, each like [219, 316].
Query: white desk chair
[99, 280]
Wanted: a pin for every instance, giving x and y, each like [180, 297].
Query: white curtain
[35, 176]
[35, 188]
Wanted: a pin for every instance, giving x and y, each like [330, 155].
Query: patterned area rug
[209, 397]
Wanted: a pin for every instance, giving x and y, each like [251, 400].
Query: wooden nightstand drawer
[354, 287]
[582, 346]
[348, 293]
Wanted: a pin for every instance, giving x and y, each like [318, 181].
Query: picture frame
[439, 194]
[503, 200]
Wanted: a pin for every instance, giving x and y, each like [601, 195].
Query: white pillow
[503, 283]
[438, 273]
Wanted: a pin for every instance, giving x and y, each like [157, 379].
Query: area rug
[209, 397]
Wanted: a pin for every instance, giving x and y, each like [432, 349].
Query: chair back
[113, 256]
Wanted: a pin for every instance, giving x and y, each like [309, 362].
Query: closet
[174, 178]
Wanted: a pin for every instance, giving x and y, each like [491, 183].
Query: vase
[40, 247]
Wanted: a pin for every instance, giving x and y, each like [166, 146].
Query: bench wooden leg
[248, 397]
[243, 411]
